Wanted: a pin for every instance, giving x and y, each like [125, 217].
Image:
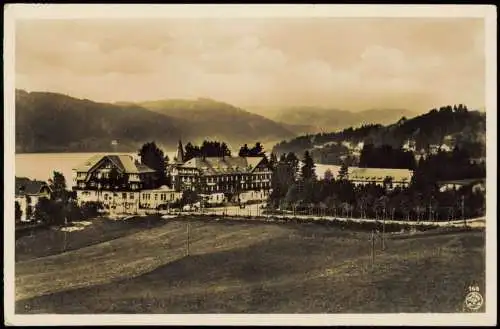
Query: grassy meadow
[236, 267]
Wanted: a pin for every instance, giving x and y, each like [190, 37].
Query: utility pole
[188, 237]
[430, 210]
[383, 234]
[463, 210]
[373, 247]
[65, 233]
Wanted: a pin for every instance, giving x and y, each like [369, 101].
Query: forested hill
[221, 121]
[451, 125]
[52, 122]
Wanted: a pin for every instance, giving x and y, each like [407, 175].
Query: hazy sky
[348, 63]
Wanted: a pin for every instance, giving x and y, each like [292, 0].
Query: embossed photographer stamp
[474, 299]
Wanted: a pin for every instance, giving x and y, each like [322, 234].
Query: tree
[257, 150]
[244, 151]
[225, 151]
[153, 157]
[58, 186]
[189, 197]
[292, 195]
[49, 211]
[282, 179]
[387, 182]
[332, 202]
[29, 208]
[18, 211]
[308, 168]
[328, 176]
[362, 203]
[91, 209]
[192, 151]
[344, 172]
[273, 161]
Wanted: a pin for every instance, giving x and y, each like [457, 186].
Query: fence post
[373, 247]
[383, 234]
[187, 242]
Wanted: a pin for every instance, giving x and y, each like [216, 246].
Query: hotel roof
[223, 165]
[367, 174]
[124, 163]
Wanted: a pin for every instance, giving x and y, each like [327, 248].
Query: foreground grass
[47, 241]
[254, 268]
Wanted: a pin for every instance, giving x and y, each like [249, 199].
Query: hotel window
[124, 195]
[131, 196]
[156, 196]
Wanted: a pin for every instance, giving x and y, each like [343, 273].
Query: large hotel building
[123, 184]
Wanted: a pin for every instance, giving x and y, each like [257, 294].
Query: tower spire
[180, 152]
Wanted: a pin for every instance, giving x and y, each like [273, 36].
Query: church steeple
[179, 155]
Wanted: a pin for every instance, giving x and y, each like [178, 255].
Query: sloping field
[46, 242]
[253, 268]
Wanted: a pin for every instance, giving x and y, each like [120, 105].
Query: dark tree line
[386, 156]
[422, 200]
[257, 150]
[206, 149]
[443, 166]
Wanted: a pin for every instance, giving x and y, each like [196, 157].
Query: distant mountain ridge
[221, 121]
[52, 122]
[330, 119]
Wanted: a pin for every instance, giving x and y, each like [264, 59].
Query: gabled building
[238, 178]
[113, 179]
[28, 193]
[364, 176]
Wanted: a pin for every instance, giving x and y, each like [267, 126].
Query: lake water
[41, 166]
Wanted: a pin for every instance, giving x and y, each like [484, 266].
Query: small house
[27, 194]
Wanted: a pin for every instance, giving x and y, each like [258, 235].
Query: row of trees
[342, 198]
[206, 149]
[385, 156]
[298, 190]
[257, 150]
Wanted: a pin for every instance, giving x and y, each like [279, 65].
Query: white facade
[122, 202]
[131, 201]
[28, 203]
[152, 199]
[259, 195]
[214, 198]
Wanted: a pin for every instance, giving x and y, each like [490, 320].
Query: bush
[49, 211]
[18, 211]
[91, 209]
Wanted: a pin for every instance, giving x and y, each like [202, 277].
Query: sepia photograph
[250, 164]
